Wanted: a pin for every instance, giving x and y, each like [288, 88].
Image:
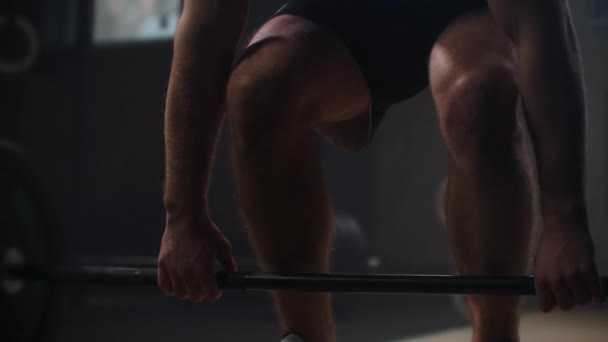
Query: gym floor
[141, 314]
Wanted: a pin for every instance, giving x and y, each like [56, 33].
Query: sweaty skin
[549, 77]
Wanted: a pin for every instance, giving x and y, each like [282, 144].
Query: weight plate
[24, 239]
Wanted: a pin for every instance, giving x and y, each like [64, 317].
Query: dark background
[89, 112]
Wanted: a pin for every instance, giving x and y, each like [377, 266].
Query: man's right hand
[187, 256]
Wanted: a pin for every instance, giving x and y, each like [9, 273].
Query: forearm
[550, 78]
[203, 53]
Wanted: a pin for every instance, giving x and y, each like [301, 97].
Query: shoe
[292, 338]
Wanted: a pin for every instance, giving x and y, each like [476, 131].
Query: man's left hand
[566, 273]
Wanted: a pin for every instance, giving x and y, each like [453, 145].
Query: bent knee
[256, 92]
[488, 84]
[478, 111]
[265, 104]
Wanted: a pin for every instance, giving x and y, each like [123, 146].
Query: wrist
[185, 223]
[564, 211]
[186, 210]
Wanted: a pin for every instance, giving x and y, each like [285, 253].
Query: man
[499, 69]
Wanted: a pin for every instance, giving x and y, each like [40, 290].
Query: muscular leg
[295, 76]
[489, 198]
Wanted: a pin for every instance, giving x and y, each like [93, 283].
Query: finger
[579, 289]
[564, 295]
[544, 297]
[164, 281]
[208, 281]
[179, 288]
[177, 291]
[202, 291]
[199, 298]
[226, 259]
[193, 290]
[595, 285]
[212, 291]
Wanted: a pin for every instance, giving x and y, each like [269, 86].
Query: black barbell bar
[361, 283]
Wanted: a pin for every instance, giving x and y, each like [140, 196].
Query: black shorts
[391, 40]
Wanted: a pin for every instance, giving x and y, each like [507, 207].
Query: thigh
[310, 67]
